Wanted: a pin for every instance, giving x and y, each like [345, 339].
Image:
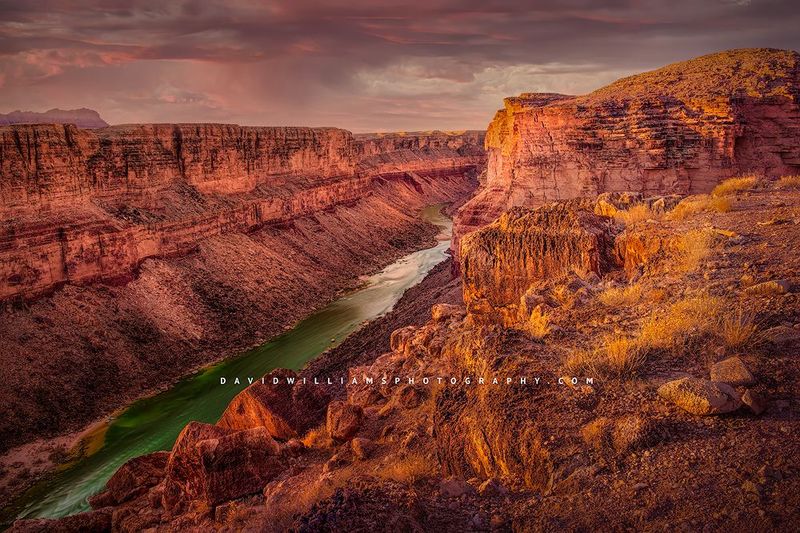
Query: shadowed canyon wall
[679, 129]
[131, 254]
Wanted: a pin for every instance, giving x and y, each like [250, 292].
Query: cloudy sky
[365, 65]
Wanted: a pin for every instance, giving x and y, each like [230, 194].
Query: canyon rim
[418, 312]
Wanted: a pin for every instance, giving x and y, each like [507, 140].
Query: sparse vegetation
[788, 182]
[622, 356]
[696, 204]
[619, 296]
[694, 247]
[538, 323]
[732, 185]
[681, 323]
[619, 356]
[635, 213]
[408, 470]
[317, 438]
[737, 329]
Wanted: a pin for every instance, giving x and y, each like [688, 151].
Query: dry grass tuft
[622, 356]
[697, 204]
[681, 323]
[318, 438]
[737, 330]
[538, 325]
[635, 213]
[407, 470]
[619, 356]
[788, 182]
[619, 296]
[694, 247]
[732, 185]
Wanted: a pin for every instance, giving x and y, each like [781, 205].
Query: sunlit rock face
[81, 205]
[679, 129]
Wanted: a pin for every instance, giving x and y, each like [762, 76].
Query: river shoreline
[39, 452]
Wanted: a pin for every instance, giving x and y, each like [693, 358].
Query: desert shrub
[788, 182]
[408, 470]
[635, 213]
[619, 296]
[618, 356]
[682, 323]
[538, 324]
[694, 247]
[622, 356]
[697, 204]
[732, 185]
[317, 438]
[737, 329]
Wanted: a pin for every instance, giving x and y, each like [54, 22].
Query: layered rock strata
[129, 255]
[679, 129]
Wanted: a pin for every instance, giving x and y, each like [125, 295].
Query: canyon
[650, 301]
[130, 255]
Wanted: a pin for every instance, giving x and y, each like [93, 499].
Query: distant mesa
[83, 117]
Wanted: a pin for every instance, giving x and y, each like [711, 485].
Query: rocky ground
[682, 311]
[235, 291]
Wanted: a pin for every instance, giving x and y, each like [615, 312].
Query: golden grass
[635, 213]
[697, 204]
[317, 438]
[563, 295]
[619, 296]
[407, 470]
[737, 330]
[681, 323]
[619, 356]
[732, 185]
[622, 355]
[694, 247]
[788, 182]
[538, 324]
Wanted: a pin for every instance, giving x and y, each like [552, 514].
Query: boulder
[344, 420]
[286, 410]
[212, 465]
[411, 396]
[400, 338]
[754, 402]
[443, 312]
[132, 479]
[700, 396]
[362, 448]
[732, 371]
[772, 287]
[783, 337]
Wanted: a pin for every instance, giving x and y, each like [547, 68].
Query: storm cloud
[362, 65]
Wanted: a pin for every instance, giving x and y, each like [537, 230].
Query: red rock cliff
[678, 129]
[80, 205]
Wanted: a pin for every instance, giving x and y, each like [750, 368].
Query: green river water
[153, 423]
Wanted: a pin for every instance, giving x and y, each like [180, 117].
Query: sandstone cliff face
[81, 205]
[680, 129]
[129, 255]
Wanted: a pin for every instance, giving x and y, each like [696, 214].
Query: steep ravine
[213, 274]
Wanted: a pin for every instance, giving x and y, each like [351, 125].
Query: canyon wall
[80, 205]
[679, 129]
[130, 255]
